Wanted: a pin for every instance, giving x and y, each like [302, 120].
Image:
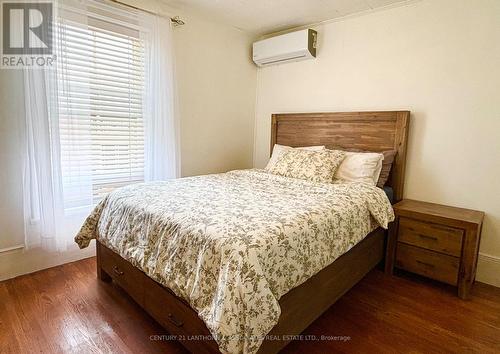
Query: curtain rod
[176, 20]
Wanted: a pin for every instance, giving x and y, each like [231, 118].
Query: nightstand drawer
[428, 263]
[430, 236]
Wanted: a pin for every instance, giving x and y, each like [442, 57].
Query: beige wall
[11, 152]
[216, 85]
[216, 89]
[438, 58]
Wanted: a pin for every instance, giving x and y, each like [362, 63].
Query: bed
[263, 285]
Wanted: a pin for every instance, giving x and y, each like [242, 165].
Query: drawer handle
[175, 321]
[117, 270]
[426, 264]
[428, 237]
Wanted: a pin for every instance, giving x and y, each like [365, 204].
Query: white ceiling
[265, 16]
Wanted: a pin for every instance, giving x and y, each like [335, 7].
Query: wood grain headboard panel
[370, 131]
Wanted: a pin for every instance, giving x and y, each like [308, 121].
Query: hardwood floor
[67, 310]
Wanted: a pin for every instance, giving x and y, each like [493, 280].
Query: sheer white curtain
[162, 158]
[88, 114]
[43, 204]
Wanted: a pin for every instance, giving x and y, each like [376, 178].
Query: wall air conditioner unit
[294, 46]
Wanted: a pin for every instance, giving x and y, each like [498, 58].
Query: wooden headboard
[370, 131]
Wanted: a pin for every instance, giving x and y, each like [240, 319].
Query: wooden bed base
[299, 307]
[371, 131]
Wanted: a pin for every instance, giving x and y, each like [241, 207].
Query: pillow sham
[362, 167]
[389, 156]
[315, 166]
[278, 150]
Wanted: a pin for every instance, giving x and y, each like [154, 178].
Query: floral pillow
[315, 166]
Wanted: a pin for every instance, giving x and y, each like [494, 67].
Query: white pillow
[360, 167]
[278, 150]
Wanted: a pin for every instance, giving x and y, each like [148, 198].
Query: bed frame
[371, 131]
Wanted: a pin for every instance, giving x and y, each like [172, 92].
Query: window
[100, 102]
[100, 118]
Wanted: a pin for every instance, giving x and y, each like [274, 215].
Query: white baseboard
[19, 261]
[12, 248]
[488, 269]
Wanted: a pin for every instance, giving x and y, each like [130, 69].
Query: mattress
[232, 244]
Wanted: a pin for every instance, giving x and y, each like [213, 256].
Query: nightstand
[436, 241]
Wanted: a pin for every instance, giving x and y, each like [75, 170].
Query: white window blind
[100, 93]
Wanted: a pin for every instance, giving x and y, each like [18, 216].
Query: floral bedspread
[232, 244]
